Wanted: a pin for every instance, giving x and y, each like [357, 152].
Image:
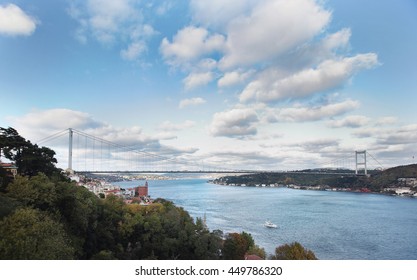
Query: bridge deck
[216, 172]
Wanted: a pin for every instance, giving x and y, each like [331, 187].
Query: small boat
[269, 224]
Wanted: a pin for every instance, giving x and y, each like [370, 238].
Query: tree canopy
[293, 251]
[32, 234]
[29, 158]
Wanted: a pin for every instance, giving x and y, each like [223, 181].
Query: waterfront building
[10, 168]
[410, 182]
[403, 191]
[141, 190]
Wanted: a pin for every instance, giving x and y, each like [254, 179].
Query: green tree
[37, 191]
[79, 209]
[7, 205]
[208, 245]
[11, 142]
[104, 255]
[5, 179]
[75, 207]
[256, 250]
[293, 251]
[29, 158]
[236, 245]
[30, 234]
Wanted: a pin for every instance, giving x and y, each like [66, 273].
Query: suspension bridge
[85, 153]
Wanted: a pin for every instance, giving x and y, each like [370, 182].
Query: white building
[402, 191]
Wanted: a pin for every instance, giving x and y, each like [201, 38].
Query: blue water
[334, 225]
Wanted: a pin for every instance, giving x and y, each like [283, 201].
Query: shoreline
[312, 188]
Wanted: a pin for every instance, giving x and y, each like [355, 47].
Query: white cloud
[381, 128]
[391, 145]
[164, 8]
[191, 102]
[111, 22]
[190, 43]
[319, 144]
[307, 114]
[233, 78]
[366, 132]
[107, 17]
[54, 120]
[217, 14]
[337, 40]
[133, 51]
[271, 86]
[169, 126]
[129, 136]
[387, 121]
[139, 36]
[194, 80]
[273, 28]
[207, 64]
[238, 122]
[14, 21]
[350, 121]
[244, 157]
[312, 53]
[281, 40]
[39, 124]
[403, 135]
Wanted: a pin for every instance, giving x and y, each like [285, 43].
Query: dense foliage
[276, 178]
[32, 234]
[47, 219]
[293, 251]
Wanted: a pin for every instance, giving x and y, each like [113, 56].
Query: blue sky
[271, 84]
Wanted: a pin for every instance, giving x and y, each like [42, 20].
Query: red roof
[112, 191]
[7, 165]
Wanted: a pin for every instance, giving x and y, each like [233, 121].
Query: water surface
[334, 225]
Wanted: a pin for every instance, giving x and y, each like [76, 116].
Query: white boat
[269, 224]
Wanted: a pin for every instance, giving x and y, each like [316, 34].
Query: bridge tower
[360, 157]
[70, 132]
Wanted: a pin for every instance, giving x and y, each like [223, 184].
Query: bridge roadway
[219, 172]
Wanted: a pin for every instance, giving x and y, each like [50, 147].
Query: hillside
[390, 176]
[376, 182]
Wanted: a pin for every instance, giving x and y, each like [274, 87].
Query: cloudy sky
[256, 84]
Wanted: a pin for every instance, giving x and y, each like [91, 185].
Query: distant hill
[377, 181]
[390, 176]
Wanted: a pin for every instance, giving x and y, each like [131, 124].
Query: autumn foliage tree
[293, 251]
[236, 245]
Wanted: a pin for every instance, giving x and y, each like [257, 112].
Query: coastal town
[407, 190]
[392, 185]
[104, 186]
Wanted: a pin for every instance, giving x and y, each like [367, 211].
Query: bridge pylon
[70, 138]
[360, 158]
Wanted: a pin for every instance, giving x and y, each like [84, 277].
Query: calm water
[334, 225]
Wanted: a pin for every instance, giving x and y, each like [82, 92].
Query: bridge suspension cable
[52, 137]
[88, 153]
[358, 161]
